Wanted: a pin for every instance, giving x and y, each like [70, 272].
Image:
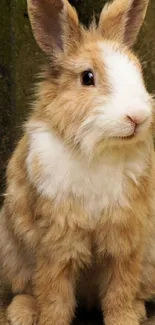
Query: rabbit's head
[97, 96]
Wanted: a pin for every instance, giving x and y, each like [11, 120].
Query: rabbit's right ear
[54, 23]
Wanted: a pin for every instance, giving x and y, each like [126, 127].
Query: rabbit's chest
[97, 186]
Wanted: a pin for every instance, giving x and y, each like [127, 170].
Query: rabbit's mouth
[130, 136]
[124, 139]
[127, 137]
[138, 134]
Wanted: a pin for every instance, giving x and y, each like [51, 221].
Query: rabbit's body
[69, 211]
[78, 216]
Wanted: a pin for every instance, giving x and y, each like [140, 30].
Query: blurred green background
[20, 57]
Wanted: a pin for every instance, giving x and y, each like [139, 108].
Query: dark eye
[87, 78]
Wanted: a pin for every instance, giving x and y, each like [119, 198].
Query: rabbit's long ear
[54, 23]
[121, 20]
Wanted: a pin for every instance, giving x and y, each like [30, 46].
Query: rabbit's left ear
[121, 20]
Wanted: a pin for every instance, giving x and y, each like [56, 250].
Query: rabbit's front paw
[22, 311]
[122, 318]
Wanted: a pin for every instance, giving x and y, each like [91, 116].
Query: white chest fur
[97, 186]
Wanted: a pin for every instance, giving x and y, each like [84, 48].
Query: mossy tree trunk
[20, 57]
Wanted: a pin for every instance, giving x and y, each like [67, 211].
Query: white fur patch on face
[97, 186]
[128, 93]
[127, 103]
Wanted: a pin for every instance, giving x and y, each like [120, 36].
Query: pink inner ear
[35, 1]
[55, 3]
[49, 19]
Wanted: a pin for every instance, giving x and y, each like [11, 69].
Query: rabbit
[78, 219]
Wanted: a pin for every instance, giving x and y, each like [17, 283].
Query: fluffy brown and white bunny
[79, 213]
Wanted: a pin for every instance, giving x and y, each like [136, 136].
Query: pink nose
[137, 119]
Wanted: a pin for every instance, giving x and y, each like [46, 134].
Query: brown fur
[109, 20]
[49, 253]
